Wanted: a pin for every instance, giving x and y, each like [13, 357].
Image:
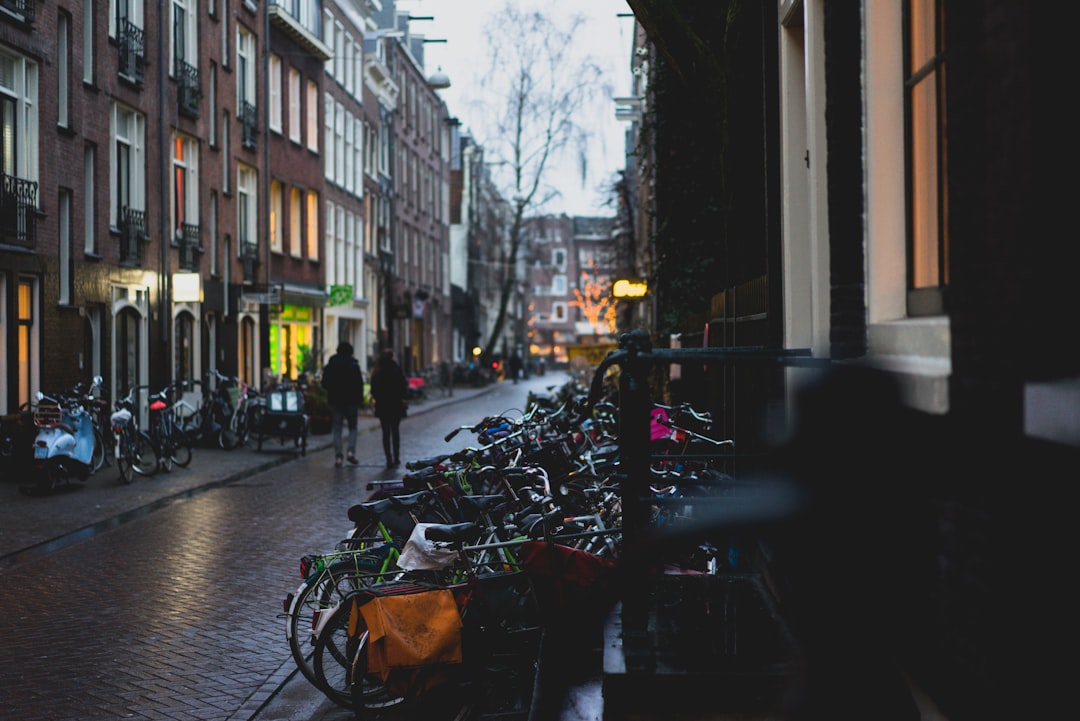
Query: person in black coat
[344, 384]
[389, 389]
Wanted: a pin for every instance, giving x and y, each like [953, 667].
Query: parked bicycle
[133, 448]
[171, 447]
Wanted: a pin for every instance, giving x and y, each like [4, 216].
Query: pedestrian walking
[390, 389]
[515, 366]
[344, 384]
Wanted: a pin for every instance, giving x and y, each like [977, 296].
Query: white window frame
[294, 105]
[188, 165]
[128, 128]
[313, 116]
[189, 50]
[277, 200]
[246, 75]
[275, 93]
[130, 10]
[247, 184]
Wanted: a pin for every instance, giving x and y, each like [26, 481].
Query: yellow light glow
[627, 288]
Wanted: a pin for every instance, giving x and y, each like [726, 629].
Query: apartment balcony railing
[132, 50]
[133, 235]
[190, 244]
[18, 211]
[187, 79]
[249, 257]
[248, 120]
[24, 9]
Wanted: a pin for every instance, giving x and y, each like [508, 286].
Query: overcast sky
[608, 40]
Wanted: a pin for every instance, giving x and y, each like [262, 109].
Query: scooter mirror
[98, 380]
[39, 395]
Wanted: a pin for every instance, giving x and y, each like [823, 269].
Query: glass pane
[924, 185]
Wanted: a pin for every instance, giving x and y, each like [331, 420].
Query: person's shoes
[338, 461]
[389, 463]
[397, 461]
[352, 459]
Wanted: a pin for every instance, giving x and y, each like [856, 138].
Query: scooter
[64, 445]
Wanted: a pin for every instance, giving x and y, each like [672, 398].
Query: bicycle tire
[181, 453]
[146, 458]
[319, 594]
[98, 456]
[125, 462]
[341, 666]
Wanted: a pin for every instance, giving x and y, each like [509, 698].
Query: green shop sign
[340, 294]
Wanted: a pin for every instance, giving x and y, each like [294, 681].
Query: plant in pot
[316, 405]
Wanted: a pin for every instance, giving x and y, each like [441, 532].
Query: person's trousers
[338, 419]
[391, 439]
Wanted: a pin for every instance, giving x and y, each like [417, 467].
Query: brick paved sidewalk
[31, 526]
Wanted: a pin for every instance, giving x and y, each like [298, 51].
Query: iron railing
[132, 50]
[133, 235]
[190, 244]
[188, 94]
[22, 8]
[248, 119]
[249, 257]
[18, 208]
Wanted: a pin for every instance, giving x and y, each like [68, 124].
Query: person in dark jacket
[389, 389]
[344, 384]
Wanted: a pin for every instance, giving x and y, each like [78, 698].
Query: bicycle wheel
[229, 437]
[181, 453]
[340, 662]
[126, 461]
[98, 457]
[320, 594]
[145, 459]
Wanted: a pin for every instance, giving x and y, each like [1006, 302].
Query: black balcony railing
[18, 211]
[133, 235]
[249, 257]
[22, 8]
[187, 79]
[248, 119]
[190, 245]
[132, 50]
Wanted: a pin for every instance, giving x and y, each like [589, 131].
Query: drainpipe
[164, 308]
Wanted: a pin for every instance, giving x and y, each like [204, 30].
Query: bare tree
[545, 81]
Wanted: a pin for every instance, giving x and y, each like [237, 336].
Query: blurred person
[344, 384]
[389, 390]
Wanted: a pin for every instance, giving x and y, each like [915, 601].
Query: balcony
[132, 51]
[133, 236]
[20, 8]
[248, 120]
[18, 211]
[190, 245]
[304, 28]
[249, 257]
[187, 80]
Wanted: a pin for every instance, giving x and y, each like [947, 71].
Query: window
[275, 92]
[89, 236]
[927, 228]
[120, 11]
[185, 39]
[558, 312]
[312, 225]
[295, 223]
[312, 116]
[245, 73]
[27, 341]
[247, 207]
[64, 230]
[225, 33]
[63, 61]
[18, 117]
[127, 164]
[294, 105]
[88, 42]
[558, 258]
[214, 269]
[328, 141]
[185, 200]
[225, 165]
[213, 104]
[558, 285]
[276, 200]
